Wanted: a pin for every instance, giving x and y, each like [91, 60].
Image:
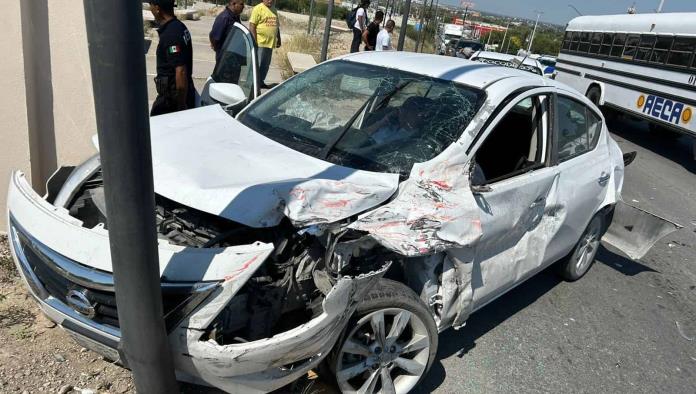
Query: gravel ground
[38, 357]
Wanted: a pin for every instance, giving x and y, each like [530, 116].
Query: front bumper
[39, 230]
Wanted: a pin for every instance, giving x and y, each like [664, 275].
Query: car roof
[475, 74]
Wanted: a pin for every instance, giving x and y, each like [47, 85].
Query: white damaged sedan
[345, 217]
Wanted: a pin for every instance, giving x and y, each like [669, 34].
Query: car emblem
[80, 303]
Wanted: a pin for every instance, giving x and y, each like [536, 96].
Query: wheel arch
[598, 85]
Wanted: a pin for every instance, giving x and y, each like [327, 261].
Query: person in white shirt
[384, 37]
[360, 25]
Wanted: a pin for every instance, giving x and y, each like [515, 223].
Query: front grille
[104, 302]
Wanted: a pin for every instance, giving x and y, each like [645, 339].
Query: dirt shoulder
[39, 357]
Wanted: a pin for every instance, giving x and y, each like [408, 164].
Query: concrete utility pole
[531, 41]
[327, 29]
[662, 4]
[116, 53]
[504, 36]
[406, 10]
[39, 92]
[311, 13]
[437, 23]
[422, 24]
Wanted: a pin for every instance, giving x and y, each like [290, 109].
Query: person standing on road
[383, 42]
[360, 25]
[265, 29]
[369, 36]
[222, 25]
[174, 84]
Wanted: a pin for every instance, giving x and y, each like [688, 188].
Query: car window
[578, 128]
[364, 116]
[235, 64]
[517, 143]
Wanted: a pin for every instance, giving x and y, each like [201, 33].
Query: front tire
[389, 345]
[580, 259]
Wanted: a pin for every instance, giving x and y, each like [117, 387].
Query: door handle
[537, 202]
[604, 178]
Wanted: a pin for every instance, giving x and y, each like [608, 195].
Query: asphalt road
[626, 327]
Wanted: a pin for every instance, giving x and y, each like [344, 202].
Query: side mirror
[228, 94]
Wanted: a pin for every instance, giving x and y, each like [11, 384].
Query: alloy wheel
[386, 352]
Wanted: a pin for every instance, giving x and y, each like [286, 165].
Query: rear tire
[389, 343]
[576, 264]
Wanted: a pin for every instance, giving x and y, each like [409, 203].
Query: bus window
[631, 46]
[606, 44]
[662, 47]
[682, 50]
[618, 47]
[574, 41]
[566, 40]
[584, 42]
[645, 48]
[596, 43]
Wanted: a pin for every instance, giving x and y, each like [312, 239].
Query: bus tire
[594, 94]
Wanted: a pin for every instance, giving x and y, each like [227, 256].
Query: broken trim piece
[635, 231]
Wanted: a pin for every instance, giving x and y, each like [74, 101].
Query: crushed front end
[246, 309]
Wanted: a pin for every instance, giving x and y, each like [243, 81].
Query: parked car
[464, 48]
[549, 63]
[345, 217]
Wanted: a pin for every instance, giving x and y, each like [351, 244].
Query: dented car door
[585, 171]
[515, 189]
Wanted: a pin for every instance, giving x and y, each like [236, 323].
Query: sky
[557, 11]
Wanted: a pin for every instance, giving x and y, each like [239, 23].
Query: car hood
[207, 160]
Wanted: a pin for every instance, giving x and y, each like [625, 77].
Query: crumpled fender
[264, 365]
[434, 210]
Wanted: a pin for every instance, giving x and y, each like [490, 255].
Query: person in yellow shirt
[265, 29]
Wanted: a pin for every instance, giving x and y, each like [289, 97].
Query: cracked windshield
[365, 117]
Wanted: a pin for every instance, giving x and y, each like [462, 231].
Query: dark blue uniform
[221, 28]
[174, 49]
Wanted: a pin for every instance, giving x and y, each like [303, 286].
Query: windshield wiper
[327, 149]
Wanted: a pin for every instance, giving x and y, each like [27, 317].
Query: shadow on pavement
[620, 263]
[677, 149]
[462, 341]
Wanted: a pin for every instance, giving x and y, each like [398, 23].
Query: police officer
[175, 91]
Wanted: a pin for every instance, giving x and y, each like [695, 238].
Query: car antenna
[522, 62]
